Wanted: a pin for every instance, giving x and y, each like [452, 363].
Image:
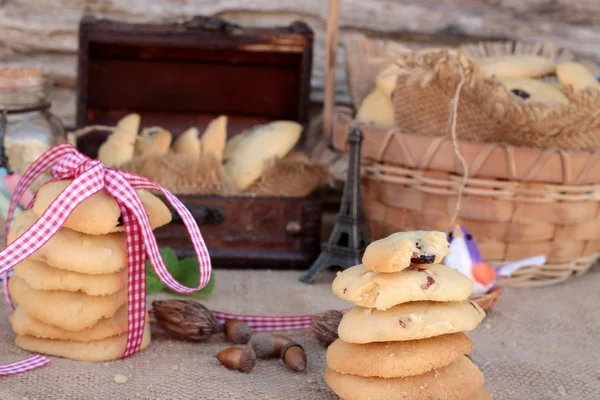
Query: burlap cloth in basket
[536, 344]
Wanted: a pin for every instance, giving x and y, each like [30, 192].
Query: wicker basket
[518, 201]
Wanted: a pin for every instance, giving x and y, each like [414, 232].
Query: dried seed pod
[268, 345]
[238, 358]
[294, 357]
[237, 331]
[185, 319]
[325, 326]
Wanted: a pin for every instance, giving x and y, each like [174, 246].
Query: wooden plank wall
[44, 32]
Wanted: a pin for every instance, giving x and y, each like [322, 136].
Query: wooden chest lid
[182, 74]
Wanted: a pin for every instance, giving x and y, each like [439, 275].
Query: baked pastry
[409, 321]
[427, 282]
[399, 250]
[71, 311]
[111, 348]
[517, 66]
[536, 90]
[441, 383]
[40, 276]
[100, 214]
[119, 147]
[397, 359]
[251, 153]
[188, 143]
[23, 324]
[153, 140]
[377, 109]
[214, 138]
[74, 251]
[576, 75]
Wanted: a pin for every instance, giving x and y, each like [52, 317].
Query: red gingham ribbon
[89, 177]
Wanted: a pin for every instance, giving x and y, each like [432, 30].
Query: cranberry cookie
[435, 282]
[399, 250]
[409, 321]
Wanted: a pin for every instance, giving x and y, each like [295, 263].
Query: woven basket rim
[485, 160]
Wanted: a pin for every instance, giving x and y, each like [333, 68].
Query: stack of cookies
[71, 294]
[405, 338]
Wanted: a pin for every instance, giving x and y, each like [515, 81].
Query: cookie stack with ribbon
[71, 294]
[405, 339]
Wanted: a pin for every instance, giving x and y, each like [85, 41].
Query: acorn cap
[237, 331]
[263, 344]
[247, 359]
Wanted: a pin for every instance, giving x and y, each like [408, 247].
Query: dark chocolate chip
[423, 259]
[345, 290]
[521, 93]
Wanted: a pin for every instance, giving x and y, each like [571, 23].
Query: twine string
[455, 146]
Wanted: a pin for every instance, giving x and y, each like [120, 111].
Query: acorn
[185, 319]
[237, 331]
[267, 345]
[293, 356]
[325, 326]
[238, 358]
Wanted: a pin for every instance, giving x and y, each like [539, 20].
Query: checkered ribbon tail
[89, 177]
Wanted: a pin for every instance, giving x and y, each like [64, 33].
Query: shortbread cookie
[214, 137]
[534, 90]
[23, 324]
[43, 277]
[517, 66]
[254, 151]
[153, 140]
[399, 250]
[74, 251]
[100, 350]
[576, 75]
[481, 394]
[409, 321]
[458, 381]
[188, 143]
[100, 214]
[376, 109]
[433, 282]
[71, 311]
[397, 359]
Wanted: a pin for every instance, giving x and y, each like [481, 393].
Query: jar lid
[16, 78]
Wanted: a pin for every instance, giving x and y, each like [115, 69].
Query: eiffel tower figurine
[348, 240]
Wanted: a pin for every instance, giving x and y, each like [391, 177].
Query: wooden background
[44, 32]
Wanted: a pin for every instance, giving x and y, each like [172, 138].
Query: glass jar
[27, 127]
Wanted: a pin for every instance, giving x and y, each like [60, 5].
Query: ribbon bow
[89, 177]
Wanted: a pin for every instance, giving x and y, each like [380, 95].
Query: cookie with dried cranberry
[457, 381]
[409, 321]
[433, 282]
[399, 250]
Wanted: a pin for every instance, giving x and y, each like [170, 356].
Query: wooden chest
[182, 74]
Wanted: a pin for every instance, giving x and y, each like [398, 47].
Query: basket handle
[331, 45]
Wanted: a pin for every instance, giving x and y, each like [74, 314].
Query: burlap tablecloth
[535, 344]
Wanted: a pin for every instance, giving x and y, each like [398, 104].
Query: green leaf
[153, 283]
[189, 276]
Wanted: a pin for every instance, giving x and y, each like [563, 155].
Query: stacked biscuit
[71, 294]
[405, 338]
